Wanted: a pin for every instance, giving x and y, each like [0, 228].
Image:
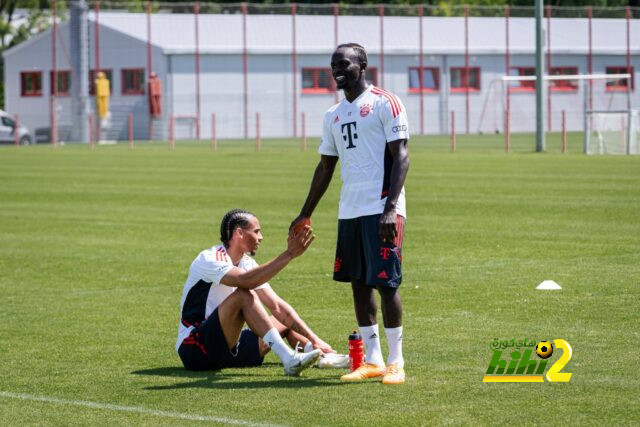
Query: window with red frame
[522, 85]
[317, 80]
[64, 82]
[92, 80]
[460, 81]
[133, 81]
[619, 84]
[430, 81]
[563, 85]
[31, 83]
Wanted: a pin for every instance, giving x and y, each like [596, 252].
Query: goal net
[566, 99]
[612, 132]
[185, 128]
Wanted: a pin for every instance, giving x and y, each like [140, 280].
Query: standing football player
[368, 133]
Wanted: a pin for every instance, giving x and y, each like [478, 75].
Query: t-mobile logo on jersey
[351, 135]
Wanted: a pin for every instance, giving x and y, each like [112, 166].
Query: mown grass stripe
[133, 409]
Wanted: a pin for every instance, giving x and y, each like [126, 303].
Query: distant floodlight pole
[294, 65]
[540, 145]
[549, 122]
[149, 69]
[505, 87]
[196, 12]
[628, 18]
[421, 72]
[466, 66]
[52, 99]
[590, 56]
[381, 13]
[96, 30]
[245, 72]
[336, 12]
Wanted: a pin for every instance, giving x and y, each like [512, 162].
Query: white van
[8, 130]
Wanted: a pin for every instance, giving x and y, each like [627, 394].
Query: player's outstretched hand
[319, 344]
[387, 227]
[298, 244]
[298, 223]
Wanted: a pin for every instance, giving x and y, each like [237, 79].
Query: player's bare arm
[319, 184]
[288, 316]
[296, 246]
[400, 152]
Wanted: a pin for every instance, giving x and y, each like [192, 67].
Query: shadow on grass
[234, 379]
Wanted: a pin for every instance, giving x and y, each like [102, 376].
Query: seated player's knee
[247, 296]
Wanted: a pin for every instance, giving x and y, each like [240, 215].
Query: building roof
[272, 34]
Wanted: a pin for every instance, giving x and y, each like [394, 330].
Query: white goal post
[586, 98]
[612, 132]
[183, 127]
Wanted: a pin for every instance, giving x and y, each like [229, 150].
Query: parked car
[43, 135]
[8, 130]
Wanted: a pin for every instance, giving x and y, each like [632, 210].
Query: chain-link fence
[237, 70]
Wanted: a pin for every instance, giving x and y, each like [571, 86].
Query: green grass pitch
[95, 247]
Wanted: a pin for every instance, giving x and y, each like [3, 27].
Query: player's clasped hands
[298, 243]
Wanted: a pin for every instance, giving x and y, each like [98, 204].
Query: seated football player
[227, 289]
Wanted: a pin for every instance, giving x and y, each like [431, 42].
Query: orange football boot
[365, 371]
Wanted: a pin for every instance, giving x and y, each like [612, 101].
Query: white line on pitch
[133, 409]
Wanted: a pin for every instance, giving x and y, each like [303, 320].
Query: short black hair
[359, 49]
[233, 219]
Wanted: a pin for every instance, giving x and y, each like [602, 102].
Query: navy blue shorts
[206, 348]
[362, 256]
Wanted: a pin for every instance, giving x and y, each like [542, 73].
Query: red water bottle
[356, 351]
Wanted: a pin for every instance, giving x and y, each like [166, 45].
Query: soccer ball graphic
[544, 349]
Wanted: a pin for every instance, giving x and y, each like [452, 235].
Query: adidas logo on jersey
[383, 275]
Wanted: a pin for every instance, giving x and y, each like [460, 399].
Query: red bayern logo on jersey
[365, 110]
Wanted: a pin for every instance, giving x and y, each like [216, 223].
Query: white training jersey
[203, 292]
[358, 132]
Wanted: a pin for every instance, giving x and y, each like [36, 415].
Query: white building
[270, 78]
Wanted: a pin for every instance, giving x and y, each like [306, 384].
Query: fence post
[453, 131]
[91, 131]
[130, 131]
[214, 139]
[564, 131]
[172, 142]
[304, 132]
[257, 131]
[507, 131]
[16, 131]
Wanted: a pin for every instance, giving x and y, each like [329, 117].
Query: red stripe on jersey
[393, 99]
[395, 104]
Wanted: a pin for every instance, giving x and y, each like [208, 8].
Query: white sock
[308, 347]
[277, 344]
[371, 338]
[394, 339]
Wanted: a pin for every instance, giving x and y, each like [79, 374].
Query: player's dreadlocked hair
[233, 219]
[360, 51]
